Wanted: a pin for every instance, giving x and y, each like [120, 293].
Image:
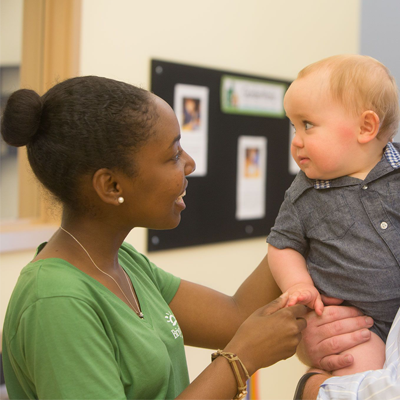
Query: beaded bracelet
[235, 362]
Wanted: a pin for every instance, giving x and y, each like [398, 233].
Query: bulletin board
[235, 128]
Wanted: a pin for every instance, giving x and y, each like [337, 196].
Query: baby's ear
[369, 126]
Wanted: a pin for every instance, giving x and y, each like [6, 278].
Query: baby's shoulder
[300, 185]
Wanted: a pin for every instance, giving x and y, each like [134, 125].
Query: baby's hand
[306, 294]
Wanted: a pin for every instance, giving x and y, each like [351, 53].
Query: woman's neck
[82, 236]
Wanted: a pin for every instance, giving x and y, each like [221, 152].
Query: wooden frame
[50, 54]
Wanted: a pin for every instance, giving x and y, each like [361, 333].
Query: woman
[90, 317]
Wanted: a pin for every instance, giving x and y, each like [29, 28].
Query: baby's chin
[316, 177]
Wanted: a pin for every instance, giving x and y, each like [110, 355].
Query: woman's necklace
[137, 308]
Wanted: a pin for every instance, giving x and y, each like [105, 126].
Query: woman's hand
[270, 334]
[337, 330]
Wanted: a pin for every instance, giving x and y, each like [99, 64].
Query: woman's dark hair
[77, 127]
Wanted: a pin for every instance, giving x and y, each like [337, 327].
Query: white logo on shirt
[176, 332]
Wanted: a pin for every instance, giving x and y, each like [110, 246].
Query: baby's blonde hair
[362, 83]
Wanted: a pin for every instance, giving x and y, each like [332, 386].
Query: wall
[11, 32]
[263, 37]
[10, 58]
[380, 35]
[257, 36]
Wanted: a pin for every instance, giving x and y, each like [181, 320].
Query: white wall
[265, 37]
[10, 57]
[10, 32]
[262, 37]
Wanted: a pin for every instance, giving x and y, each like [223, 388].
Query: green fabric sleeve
[167, 283]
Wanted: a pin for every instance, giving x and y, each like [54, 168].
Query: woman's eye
[178, 155]
[308, 125]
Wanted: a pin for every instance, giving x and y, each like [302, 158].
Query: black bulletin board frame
[211, 200]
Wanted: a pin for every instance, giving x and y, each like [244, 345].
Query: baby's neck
[361, 175]
[365, 169]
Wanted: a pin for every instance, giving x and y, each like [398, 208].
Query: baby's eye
[292, 125]
[308, 125]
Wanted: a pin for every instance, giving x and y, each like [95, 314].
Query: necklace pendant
[141, 315]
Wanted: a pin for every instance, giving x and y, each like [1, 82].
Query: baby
[338, 229]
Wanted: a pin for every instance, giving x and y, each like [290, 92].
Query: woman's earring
[120, 199]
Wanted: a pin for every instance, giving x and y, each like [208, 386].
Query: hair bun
[21, 117]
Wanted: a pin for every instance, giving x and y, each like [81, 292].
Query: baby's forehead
[314, 84]
[319, 78]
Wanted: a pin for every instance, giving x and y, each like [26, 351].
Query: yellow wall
[262, 37]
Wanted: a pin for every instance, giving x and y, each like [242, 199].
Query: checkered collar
[391, 154]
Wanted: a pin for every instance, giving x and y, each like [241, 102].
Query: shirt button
[384, 225]
[365, 187]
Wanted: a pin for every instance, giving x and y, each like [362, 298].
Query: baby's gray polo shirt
[349, 232]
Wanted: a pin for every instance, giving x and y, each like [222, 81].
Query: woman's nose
[190, 165]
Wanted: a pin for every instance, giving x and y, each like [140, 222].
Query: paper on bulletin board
[293, 167]
[251, 177]
[191, 109]
[252, 97]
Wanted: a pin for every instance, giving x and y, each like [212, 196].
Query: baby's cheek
[346, 132]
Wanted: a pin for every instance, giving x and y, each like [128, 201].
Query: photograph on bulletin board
[191, 109]
[293, 167]
[251, 177]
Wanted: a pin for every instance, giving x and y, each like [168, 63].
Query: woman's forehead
[166, 127]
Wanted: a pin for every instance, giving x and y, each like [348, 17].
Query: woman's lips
[180, 201]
